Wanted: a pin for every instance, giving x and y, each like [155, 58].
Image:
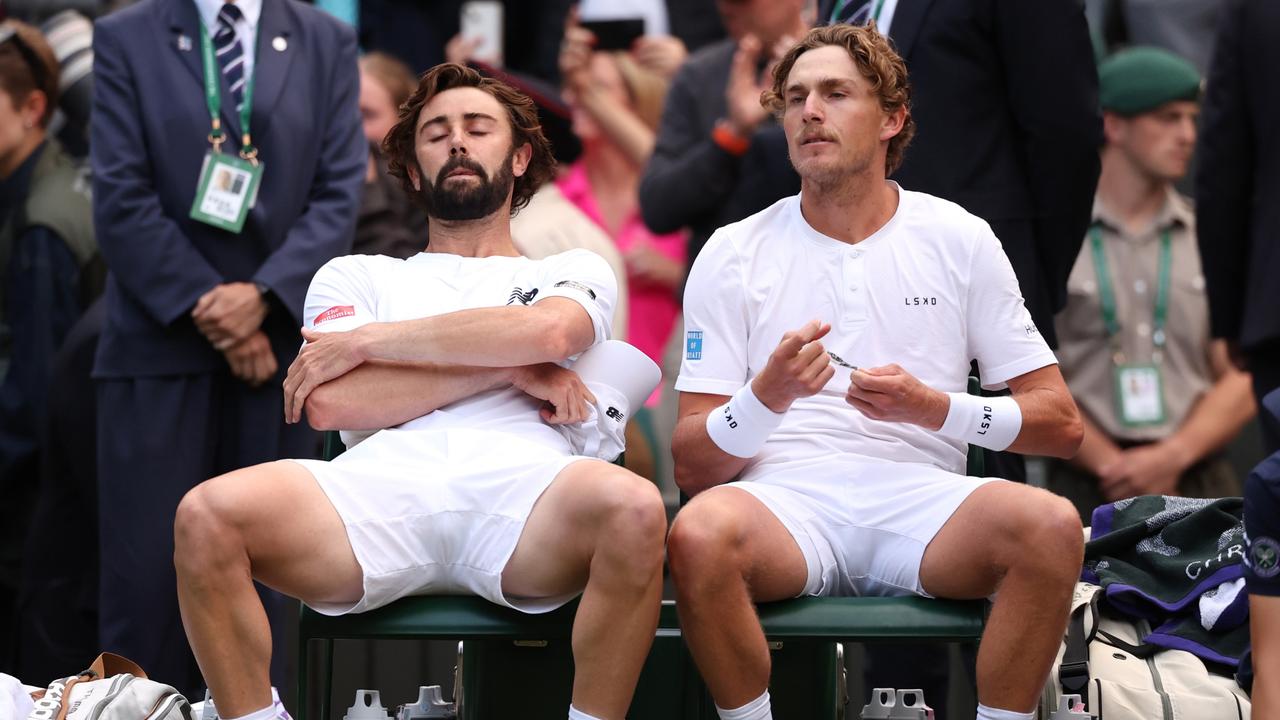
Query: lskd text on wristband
[989, 422]
[741, 426]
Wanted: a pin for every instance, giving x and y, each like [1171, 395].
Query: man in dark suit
[201, 320]
[1236, 187]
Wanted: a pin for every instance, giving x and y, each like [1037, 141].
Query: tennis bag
[1104, 661]
[113, 688]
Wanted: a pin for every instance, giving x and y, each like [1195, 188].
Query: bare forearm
[700, 463]
[483, 337]
[1216, 418]
[1051, 423]
[381, 395]
[1264, 628]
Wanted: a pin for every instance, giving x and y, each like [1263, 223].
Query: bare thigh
[968, 556]
[737, 522]
[553, 555]
[294, 537]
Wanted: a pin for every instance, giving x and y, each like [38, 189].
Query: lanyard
[840, 7]
[213, 98]
[1106, 293]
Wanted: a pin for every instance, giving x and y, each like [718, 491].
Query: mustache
[805, 137]
[461, 161]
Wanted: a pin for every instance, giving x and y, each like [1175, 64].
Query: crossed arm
[383, 374]
[799, 367]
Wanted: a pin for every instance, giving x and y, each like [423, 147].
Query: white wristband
[989, 422]
[741, 426]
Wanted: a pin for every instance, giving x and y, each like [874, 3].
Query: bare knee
[633, 519]
[204, 533]
[705, 542]
[1050, 539]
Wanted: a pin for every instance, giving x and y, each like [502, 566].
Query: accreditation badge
[227, 188]
[1139, 394]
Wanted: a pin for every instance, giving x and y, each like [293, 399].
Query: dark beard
[468, 202]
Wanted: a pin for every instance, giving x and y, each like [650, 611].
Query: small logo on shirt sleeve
[577, 286]
[693, 345]
[335, 312]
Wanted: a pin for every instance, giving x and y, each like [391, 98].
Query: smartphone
[615, 34]
[483, 19]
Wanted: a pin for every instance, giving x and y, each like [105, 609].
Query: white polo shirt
[931, 291]
[353, 290]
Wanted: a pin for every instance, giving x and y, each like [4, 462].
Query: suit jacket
[1238, 182]
[150, 124]
[1005, 98]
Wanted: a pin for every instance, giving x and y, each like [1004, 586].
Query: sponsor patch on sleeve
[693, 345]
[335, 312]
[577, 286]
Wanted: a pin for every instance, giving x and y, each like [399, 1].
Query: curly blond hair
[878, 62]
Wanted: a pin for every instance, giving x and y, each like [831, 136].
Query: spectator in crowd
[823, 415]
[1236, 184]
[1160, 398]
[50, 271]
[1262, 574]
[389, 222]
[617, 105]
[206, 287]
[719, 156]
[427, 506]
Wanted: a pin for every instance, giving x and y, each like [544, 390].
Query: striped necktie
[229, 51]
[852, 12]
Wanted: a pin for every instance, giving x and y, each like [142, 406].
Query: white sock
[986, 713]
[576, 714]
[271, 712]
[758, 709]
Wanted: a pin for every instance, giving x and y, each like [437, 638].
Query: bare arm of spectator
[624, 129]
[1053, 94]
[1224, 180]
[1214, 420]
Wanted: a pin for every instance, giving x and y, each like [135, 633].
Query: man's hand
[891, 394]
[565, 396]
[1143, 470]
[252, 360]
[229, 313]
[325, 356]
[799, 367]
[742, 94]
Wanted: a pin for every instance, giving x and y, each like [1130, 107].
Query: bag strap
[1073, 672]
[109, 664]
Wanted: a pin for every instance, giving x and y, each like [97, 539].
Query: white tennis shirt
[355, 290]
[931, 290]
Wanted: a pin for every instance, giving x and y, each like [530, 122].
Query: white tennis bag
[1101, 661]
[113, 688]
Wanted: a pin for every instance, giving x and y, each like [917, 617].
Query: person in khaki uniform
[1159, 396]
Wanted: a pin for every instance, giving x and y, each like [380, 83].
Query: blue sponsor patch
[693, 345]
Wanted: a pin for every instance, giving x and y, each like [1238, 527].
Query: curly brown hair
[878, 62]
[400, 147]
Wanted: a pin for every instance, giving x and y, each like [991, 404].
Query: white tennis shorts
[437, 512]
[863, 526]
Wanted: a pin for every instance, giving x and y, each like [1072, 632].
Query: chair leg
[326, 675]
[304, 668]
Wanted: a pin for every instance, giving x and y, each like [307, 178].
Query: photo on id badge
[225, 191]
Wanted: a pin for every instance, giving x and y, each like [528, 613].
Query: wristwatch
[263, 288]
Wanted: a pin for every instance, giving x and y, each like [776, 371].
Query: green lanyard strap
[1106, 293]
[213, 98]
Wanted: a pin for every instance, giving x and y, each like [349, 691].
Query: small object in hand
[841, 361]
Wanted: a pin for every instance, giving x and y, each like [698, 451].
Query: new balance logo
[615, 413]
[519, 296]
